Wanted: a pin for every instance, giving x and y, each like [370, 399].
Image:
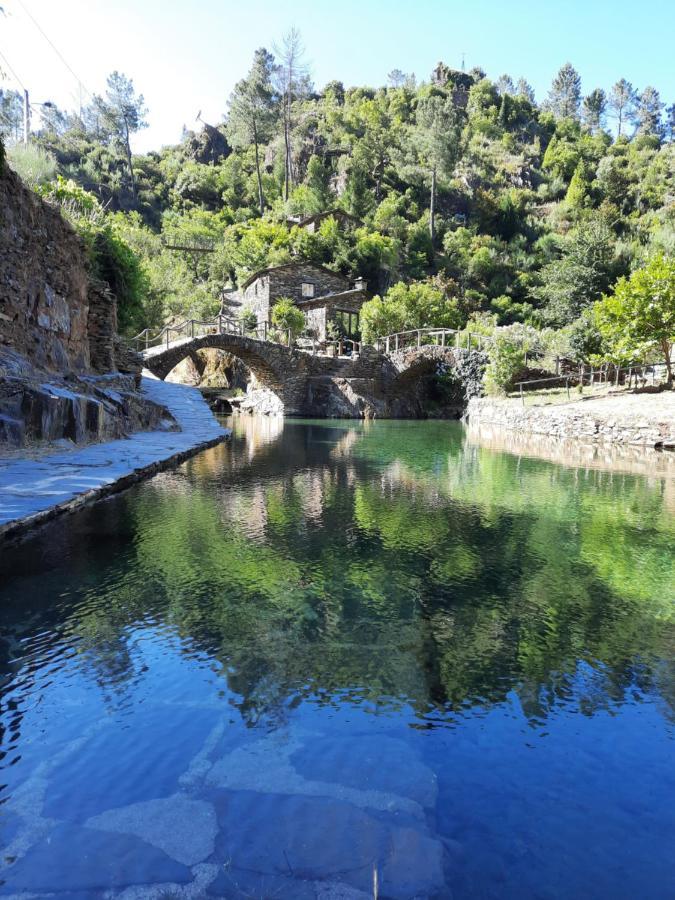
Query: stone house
[322, 295]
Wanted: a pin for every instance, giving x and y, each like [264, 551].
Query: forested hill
[479, 197]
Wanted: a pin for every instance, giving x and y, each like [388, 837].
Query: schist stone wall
[287, 281]
[50, 311]
[320, 312]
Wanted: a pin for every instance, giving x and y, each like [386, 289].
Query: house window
[307, 289]
[347, 323]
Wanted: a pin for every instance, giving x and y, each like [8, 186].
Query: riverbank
[32, 491]
[644, 420]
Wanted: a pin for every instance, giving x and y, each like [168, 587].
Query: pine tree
[437, 140]
[565, 94]
[669, 127]
[252, 111]
[593, 110]
[123, 113]
[525, 89]
[504, 85]
[647, 115]
[622, 101]
[292, 83]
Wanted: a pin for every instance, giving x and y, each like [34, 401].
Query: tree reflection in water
[383, 564]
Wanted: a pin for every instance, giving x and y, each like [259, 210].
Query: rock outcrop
[64, 373]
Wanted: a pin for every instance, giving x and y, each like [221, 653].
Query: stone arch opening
[275, 370]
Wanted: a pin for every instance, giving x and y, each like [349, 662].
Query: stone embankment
[645, 420]
[34, 490]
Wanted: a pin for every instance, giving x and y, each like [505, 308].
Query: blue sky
[186, 56]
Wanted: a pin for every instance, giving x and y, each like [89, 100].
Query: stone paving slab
[34, 490]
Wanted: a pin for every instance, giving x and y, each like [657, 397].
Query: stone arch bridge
[368, 384]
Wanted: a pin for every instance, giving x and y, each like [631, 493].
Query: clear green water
[333, 652]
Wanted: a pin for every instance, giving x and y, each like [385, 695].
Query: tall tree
[525, 89]
[11, 114]
[647, 115]
[396, 78]
[252, 111]
[292, 83]
[593, 110]
[670, 123]
[565, 94]
[437, 137]
[621, 102]
[580, 276]
[124, 113]
[504, 85]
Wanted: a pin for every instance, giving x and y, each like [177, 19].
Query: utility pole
[26, 118]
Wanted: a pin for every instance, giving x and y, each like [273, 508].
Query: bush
[421, 304]
[116, 263]
[507, 361]
[248, 319]
[32, 164]
[287, 317]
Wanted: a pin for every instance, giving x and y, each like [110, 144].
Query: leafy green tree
[621, 102]
[123, 113]
[252, 111]
[421, 304]
[581, 275]
[593, 110]
[638, 317]
[565, 94]
[437, 140]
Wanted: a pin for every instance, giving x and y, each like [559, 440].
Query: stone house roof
[297, 264]
[340, 296]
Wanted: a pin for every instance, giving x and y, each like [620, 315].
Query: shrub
[287, 317]
[507, 361]
[248, 319]
[32, 164]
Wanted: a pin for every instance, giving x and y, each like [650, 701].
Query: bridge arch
[276, 368]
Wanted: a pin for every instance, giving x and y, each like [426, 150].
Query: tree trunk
[127, 148]
[432, 208]
[287, 142]
[261, 199]
[667, 349]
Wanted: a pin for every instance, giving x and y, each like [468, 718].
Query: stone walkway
[34, 490]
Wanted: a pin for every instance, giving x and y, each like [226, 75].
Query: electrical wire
[12, 72]
[55, 48]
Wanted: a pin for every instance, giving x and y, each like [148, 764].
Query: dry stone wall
[50, 311]
[571, 421]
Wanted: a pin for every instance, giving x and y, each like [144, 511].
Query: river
[340, 660]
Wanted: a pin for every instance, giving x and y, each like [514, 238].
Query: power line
[55, 48]
[12, 72]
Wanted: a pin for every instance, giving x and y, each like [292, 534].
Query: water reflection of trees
[388, 566]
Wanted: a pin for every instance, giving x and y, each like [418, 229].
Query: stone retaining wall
[572, 421]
